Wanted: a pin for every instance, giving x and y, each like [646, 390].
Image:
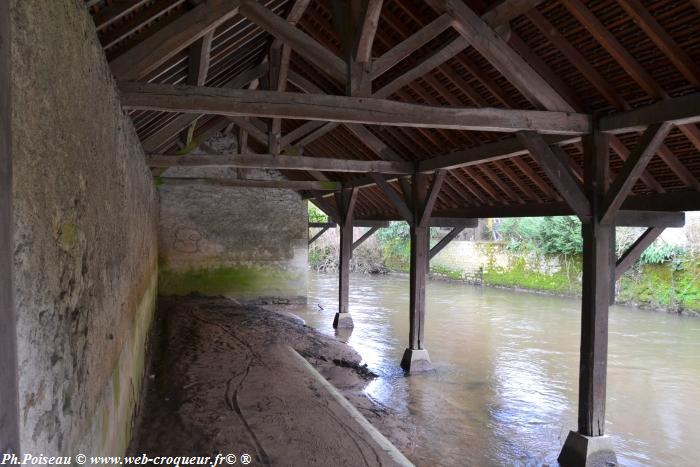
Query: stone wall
[85, 218]
[249, 244]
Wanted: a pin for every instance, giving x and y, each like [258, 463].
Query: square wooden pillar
[588, 446]
[345, 201]
[416, 357]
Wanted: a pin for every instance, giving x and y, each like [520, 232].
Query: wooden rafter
[373, 9]
[176, 36]
[244, 183]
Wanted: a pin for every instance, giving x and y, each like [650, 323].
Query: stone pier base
[587, 451]
[416, 360]
[342, 320]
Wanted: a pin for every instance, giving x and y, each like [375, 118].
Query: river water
[505, 387]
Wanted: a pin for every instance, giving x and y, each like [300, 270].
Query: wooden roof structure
[489, 98]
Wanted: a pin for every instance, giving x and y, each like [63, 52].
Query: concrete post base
[416, 360]
[342, 320]
[587, 451]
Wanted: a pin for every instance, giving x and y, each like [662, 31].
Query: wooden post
[9, 407]
[345, 200]
[416, 357]
[588, 442]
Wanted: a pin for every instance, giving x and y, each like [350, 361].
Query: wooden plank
[115, 12]
[635, 251]
[492, 47]
[444, 241]
[302, 43]
[391, 58]
[625, 180]
[679, 110]
[9, 408]
[393, 197]
[158, 48]
[559, 173]
[271, 104]
[433, 61]
[274, 184]
[269, 161]
[433, 192]
[369, 29]
[364, 237]
[663, 40]
[576, 59]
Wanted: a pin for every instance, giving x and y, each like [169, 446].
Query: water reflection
[505, 386]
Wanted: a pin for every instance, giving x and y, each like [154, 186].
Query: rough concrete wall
[85, 219]
[245, 243]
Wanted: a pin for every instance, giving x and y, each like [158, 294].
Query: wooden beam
[197, 71]
[433, 61]
[370, 223]
[9, 408]
[318, 235]
[270, 104]
[302, 43]
[650, 219]
[444, 241]
[635, 251]
[364, 237]
[679, 110]
[391, 58]
[433, 192]
[501, 149]
[322, 225]
[158, 48]
[559, 173]
[652, 138]
[160, 137]
[468, 223]
[494, 49]
[275, 184]
[369, 28]
[269, 161]
[393, 197]
[595, 293]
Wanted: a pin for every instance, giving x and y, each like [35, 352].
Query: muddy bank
[222, 379]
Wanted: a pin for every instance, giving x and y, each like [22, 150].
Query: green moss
[67, 235]
[447, 272]
[518, 275]
[241, 281]
[671, 285]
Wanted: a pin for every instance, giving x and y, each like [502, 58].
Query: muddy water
[505, 386]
